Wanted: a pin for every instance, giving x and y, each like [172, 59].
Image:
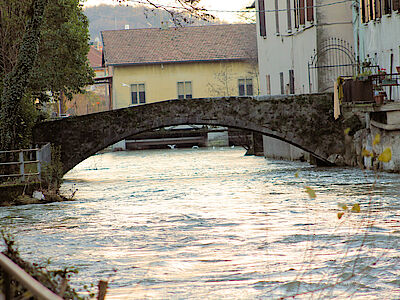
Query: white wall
[292, 48]
[379, 39]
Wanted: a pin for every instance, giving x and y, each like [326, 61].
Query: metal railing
[388, 85]
[22, 158]
[11, 271]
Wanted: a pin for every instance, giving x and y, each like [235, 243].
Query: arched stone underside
[305, 121]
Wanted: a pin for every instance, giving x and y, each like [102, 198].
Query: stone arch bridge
[305, 121]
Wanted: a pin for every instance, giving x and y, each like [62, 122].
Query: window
[282, 83]
[374, 9]
[291, 81]
[184, 90]
[261, 16]
[138, 93]
[378, 9]
[268, 77]
[302, 12]
[289, 16]
[276, 16]
[246, 87]
[310, 10]
[396, 5]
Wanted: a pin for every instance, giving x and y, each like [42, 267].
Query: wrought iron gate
[334, 58]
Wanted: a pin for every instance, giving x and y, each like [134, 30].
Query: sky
[217, 5]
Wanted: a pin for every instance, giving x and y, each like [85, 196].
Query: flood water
[215, 224]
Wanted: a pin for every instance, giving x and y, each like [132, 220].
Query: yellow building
[150, 65]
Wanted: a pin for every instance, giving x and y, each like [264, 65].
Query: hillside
[106, 17]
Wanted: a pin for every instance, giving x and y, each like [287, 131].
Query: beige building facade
[151, 65]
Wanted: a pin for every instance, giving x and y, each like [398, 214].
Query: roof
[95, 57]
[183, 44]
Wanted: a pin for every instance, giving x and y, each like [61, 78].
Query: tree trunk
[15, 83]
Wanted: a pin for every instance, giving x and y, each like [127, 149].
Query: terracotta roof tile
[184, 44]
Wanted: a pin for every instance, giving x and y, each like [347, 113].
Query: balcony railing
[379, 88]
[386, 86]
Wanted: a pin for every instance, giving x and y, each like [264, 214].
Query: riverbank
[56, 281]
[27, 193]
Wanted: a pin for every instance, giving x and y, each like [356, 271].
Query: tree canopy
[31, 66]
[44, 46]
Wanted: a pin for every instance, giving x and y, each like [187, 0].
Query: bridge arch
[305, 121]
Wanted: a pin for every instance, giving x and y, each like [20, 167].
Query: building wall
[288, 47]
[379, 40]
[208, 80]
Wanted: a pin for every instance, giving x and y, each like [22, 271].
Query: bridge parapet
[305, 121]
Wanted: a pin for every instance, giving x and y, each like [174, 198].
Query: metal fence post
[39, 163]
[22, 165]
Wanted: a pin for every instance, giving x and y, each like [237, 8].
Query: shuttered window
[302, 12]
[268, 78]
[261, 16]
[291, 81]
[245, 87]
[378, 10]
[138, 93]
[375, 9]
[310, 10]
[184, 90]
[289, 16]
[396, 5]
[276, 16]
[387, 6]
[296, 14]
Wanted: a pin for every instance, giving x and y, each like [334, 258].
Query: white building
[377, 36]
[303, 46]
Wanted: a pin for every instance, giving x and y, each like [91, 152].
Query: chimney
[126, 26]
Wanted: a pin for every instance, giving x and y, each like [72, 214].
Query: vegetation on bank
[54, 280]
[14, 192]
[43, 56]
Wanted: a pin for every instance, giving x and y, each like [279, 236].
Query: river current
[215, 224]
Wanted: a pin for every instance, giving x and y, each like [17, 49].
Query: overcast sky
[218, 5]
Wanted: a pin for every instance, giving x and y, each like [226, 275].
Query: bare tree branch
[177, 12]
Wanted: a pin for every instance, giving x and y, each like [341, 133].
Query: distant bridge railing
[23, 158]
[12, 272]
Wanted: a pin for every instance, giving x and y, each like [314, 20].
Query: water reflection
[194, 224]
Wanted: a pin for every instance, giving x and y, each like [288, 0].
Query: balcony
[378, 88]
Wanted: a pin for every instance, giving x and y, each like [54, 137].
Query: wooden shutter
[378, 10]
[310, 10]
[396, 5]
[276, 16]
[370, 10]
[302, 12]
[289, 15]
[268, 78]
[363, 11]
[296, 13]
[261, 15]
[291, 81]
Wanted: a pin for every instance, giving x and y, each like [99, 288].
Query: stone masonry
[305, 121]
